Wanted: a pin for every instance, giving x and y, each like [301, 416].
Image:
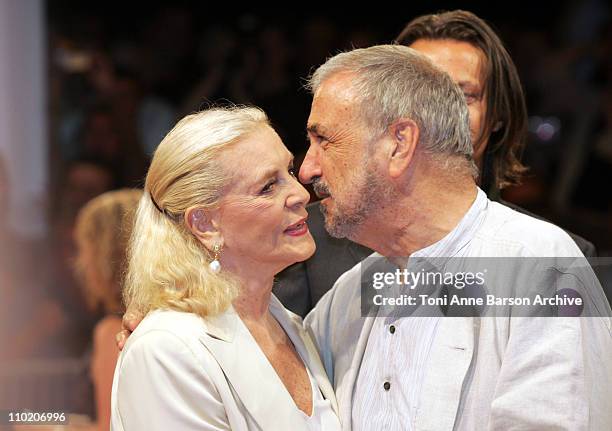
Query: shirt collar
[456, 239]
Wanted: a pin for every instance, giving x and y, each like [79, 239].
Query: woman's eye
[292, 172]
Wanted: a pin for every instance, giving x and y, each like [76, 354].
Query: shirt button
[392, 329]
[387, 386]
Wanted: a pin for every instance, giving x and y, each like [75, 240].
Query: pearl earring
[215, 265]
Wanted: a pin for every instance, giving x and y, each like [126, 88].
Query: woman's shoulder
[162, 358]
[172, 321]
[160, 326]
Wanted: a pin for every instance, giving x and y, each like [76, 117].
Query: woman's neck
[254, 299]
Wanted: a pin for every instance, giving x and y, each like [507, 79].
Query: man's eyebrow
[315, 129]
[468, 85]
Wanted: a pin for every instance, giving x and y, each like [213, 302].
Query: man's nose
[310, 168]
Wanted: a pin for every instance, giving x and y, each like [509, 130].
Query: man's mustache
[320, 188]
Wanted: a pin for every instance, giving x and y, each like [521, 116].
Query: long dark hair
[506, 118]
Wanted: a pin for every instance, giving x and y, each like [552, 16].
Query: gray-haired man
[391, 156]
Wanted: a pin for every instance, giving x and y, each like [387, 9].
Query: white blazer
[182, 372]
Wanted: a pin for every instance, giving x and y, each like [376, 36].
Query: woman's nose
[298, 196]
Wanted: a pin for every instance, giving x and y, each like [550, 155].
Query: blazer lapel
[292, 325]
[449, 360]
[250, 375]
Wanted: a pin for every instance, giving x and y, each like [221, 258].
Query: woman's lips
[298, 229]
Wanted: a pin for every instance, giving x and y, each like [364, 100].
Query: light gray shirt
[390, 378]
[466, 373]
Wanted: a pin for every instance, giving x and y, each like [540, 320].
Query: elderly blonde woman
[101, 234]
[222, 213]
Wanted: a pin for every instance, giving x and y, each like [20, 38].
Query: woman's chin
[301, 253]
[304, 252]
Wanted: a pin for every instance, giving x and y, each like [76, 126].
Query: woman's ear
[405, 135]
[202, 225]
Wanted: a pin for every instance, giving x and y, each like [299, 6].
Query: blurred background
[88, 89]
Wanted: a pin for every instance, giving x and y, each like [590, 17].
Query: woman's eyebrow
[267, 173]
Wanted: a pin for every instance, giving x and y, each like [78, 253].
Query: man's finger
[130, 321]
[121, 338]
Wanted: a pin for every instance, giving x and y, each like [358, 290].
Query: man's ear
[405, 135]
[203, 226]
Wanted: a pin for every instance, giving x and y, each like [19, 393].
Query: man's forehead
[323, 122]
[337, 86]
[334, 100]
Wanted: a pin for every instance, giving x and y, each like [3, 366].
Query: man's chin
[330, 224]
[334, 227]
[337, 224]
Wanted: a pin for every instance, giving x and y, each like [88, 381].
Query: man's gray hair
[395, 82]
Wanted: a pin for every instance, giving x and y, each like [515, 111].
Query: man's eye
[268, 187]
[292, 172]
[322, 140]
[470, 98]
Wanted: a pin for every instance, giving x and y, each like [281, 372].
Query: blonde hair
[102, 230]
[168, 266]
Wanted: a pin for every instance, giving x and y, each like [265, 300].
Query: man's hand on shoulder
[131, 319]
